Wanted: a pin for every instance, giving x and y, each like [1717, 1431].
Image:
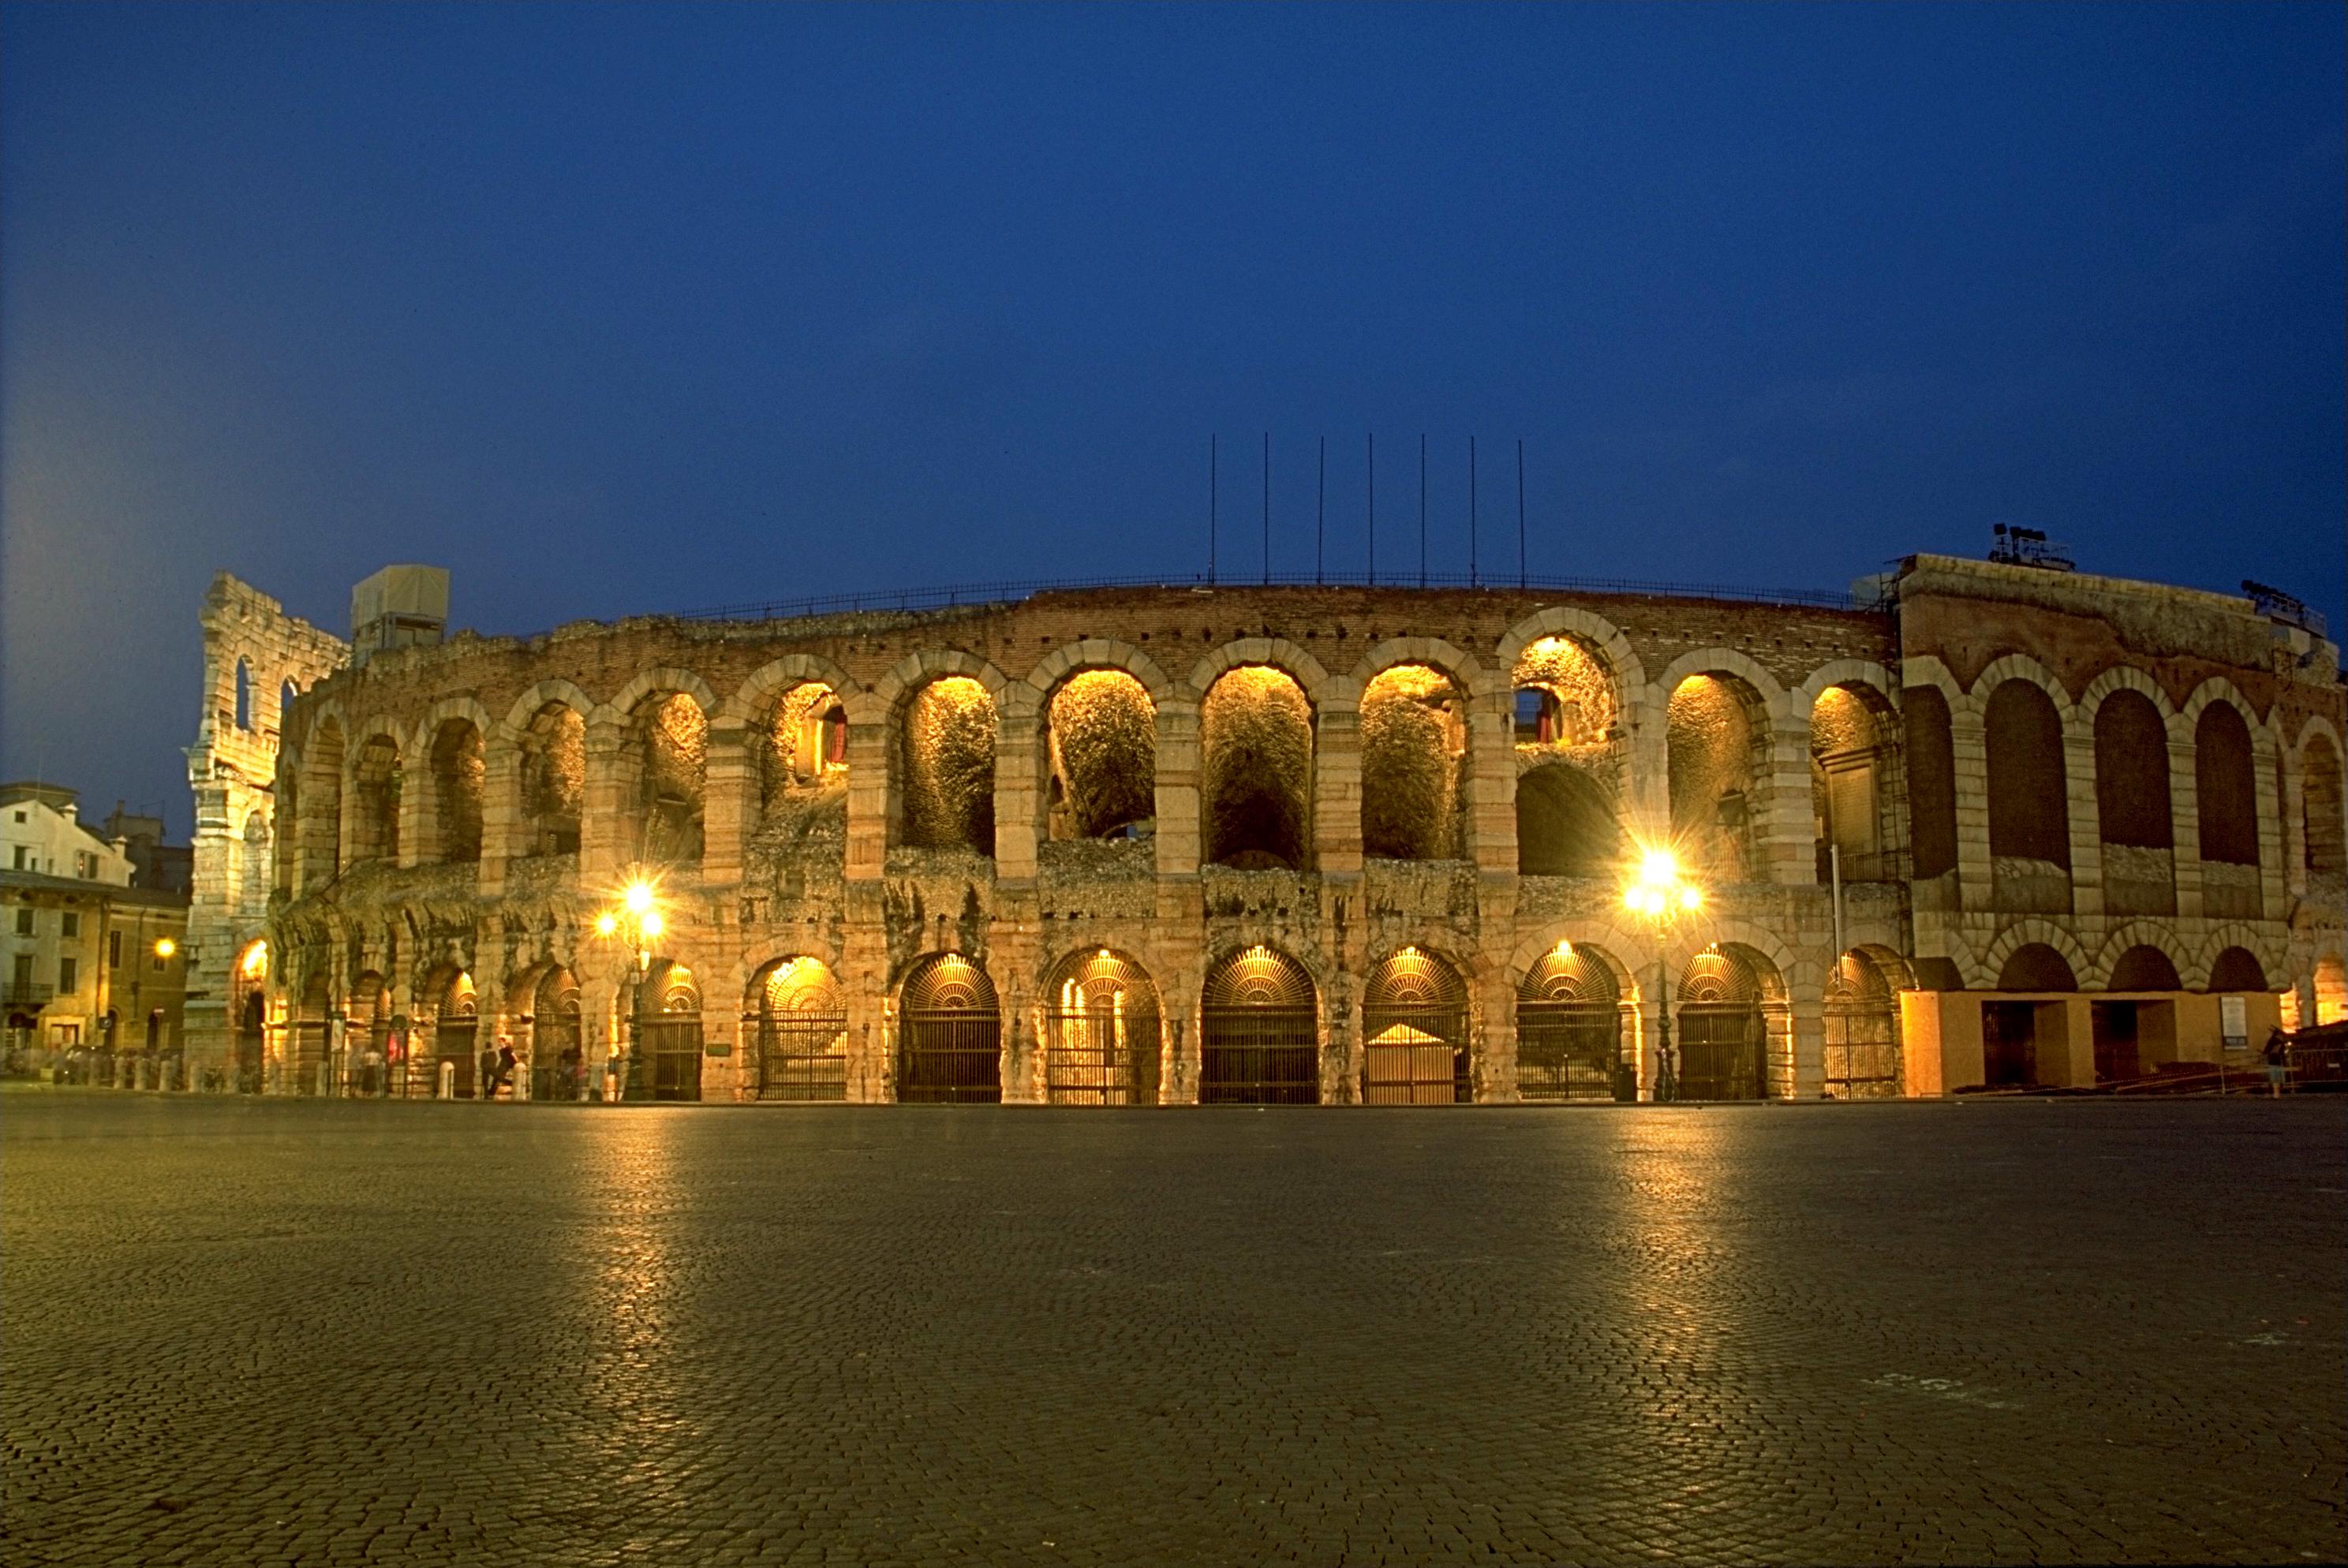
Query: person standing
[507, 1061]
[2278, 1060]
[485, 1086]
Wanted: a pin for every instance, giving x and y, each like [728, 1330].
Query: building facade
[89, 960]
[1986, 824]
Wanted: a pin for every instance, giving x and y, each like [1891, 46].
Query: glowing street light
[637, 919]
[165, 946]
[1660, 895]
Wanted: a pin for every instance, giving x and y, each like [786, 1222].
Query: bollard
[447, 1081]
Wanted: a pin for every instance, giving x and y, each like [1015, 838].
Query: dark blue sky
[615, 309]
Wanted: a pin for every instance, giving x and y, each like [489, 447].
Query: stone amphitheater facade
[1349, 844]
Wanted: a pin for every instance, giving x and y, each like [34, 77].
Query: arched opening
[2029, 809]
[2130, 1031]
[2324, 832]
[1853, 761]
[2010, 1029]
[2132, 806]
[668, 1056]
[667, 749]
[251, 1017]
[1566, 824]
[1569, 1029]
[243, 695]
[320, 819]
[455, 1039]
[2036, 966]
[1931, 783]
[1255, 732]
[558, 1055]
[2225, 775]
[375, 783]
[457, 778]
[1716, 739]
[946, 761]
[1414, 765]
[2330, 989]
[1724, 1041]
[1415, 1032]
[798, 1020]
[950, 1033]
[367, 1035]
[804, 742]
[1100, 1031]
[2237, 969]
[553, 779]
[1101, 737]
[311, 1069]
[285, 696]
[2144, 968]
[1564, 696]
[1259, 1032]
[1862, 1031]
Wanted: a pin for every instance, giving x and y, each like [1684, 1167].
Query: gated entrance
[1722, 1039]
[456, 1036]
[2009, 1044]
[557, 1055]
[950, 1034]
[665, 1063]
[799, 1025]
[1259, 1032]
[249, 1051]
[1100, 1033]
[1570, 1030]
[1415, 1032]
[1862, 1025]
[368, 1041]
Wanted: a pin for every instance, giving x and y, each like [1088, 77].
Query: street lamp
[637, 921]
[1659, 894]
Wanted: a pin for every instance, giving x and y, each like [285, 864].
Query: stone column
[869, 789]
[2084, 825]
[1492, 785]
[2274, 856]
[1787, 836]
[1018, 736]
[1492, 1066]
[2185, 822]
[1337, 787]
[1806, 1019]
[1178, 844]
[1969, 748]
[607, 815]
[729, 798]
[502, 823]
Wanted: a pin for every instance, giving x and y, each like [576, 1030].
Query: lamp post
[637, 921]
[1659, 894]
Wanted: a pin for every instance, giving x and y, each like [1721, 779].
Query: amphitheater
[1976, 825]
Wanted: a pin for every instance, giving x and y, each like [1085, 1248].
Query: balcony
[24, 994]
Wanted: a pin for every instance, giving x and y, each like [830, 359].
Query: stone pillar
[607, 815]
[869, 789]
[729, 802]
[1492, 1068]
[2085, 823]
[1018, 738]
[2185, 821]
[1806, 1019]
[1337, 787]
[1646, 781]
[1786, 838]
[2275, 859]
[1178, 788]
[1969, 748]
[502, 823]
[1492, 784]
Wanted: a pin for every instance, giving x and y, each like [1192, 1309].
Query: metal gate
[557, 1053]
[454, 1040]
[1722, 1053]
[1415, 1032]
[1101, 1032]
[1570, 1031]
[800, 1031]
[1259, 1033]
[668, 1056]
[1862, 1032]
[950, 1035]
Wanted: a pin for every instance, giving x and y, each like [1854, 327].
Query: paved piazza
[276, 1331]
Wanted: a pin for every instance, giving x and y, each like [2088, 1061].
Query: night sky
[616, 310]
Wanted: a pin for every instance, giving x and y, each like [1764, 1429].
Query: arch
[1101, 1030]
[917, 669]
[2330, 989]
[1571, 1040]
[2237, 969]
[1413, 738]
[2324, 828]
[802, 741]
[2134, 815]
[1725, 662]
[2142, 967]
[1593, 632]
[2122, 677]
[557, 1042]
[376, 785]
[1256, 761]
[2029, 807]
[2160, 935]
[1259, 1031]
[1566, 695]
[2225, 776]
[1275, 653]
[2272, 957]
[456, 767]
[2217, 689]
[1100, 764]
[1415, 1031]
[1069, 659]
[316, 774]
[1932, 759]
[1723, 1038]
[665, 1062]
[1855, 673]
[1854, 756]
[550, 781]
[244, 694]
[1567, 823]
[664, 681]
[1455, 665]
[664, 762]
[944, 740]
[795, 1017]
[1861, 1018]
[758, 691]
[1716, 739]
[455, 1035]
[533, 702]
[2036, 967]
[950, 1034]
[1991, 961]
[2024, 668]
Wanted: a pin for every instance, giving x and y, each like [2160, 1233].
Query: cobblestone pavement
[277, 1331]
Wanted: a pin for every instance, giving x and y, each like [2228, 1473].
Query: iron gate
[1568, 1049]
[1101, 1039]
[801, 1055]
[1259, 1033]
[1415, 1032]
[667, 1059]
[1862, 1033]
[453, 1039]
[950, 1035]
[1721, 1052]
[555, 1056]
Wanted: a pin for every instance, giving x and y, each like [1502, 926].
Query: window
[24, 920]
[22, 853]
[113, 949]
[72, 925]
[156, 962]
[67, 976]
[20, 817]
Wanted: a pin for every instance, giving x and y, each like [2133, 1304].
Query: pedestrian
[2277, 1059]
[507, 1061]
[487, 1086]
